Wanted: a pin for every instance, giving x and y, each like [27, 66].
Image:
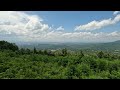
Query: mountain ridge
[75, 46]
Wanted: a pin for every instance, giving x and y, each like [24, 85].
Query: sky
[60, 26]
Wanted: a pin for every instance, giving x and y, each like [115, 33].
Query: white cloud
[94, 25]
[19, 26]
[60, 28]
[82, 36]
[115, 12]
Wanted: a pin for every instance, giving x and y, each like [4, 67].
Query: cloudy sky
[60, 26]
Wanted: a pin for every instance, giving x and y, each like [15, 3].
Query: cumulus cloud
[20, 26]
[115, 12]
[94, 25]
[60, 28]
[82, 36]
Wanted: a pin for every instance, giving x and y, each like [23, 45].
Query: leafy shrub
[83, 70]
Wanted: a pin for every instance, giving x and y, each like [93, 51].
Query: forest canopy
[4, 45]
[24, 63]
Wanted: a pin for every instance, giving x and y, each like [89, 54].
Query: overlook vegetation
[24, 63]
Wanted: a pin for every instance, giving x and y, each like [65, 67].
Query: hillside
[110, 46]
[58, 64]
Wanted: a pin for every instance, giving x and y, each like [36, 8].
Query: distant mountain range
[74, 46]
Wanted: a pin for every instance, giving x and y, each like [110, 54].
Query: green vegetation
[4, 45]
[113, 47]
[24, 63]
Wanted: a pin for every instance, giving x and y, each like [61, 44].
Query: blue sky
[68, 19]
[60, 26]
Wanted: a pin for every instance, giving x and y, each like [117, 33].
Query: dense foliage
[23, 63]
[4, 45]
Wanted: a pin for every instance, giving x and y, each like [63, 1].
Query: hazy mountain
[74, 46]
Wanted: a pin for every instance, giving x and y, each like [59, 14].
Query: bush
[102, 65]
[70, 72]
[113, 65]
[63, 62]
[83, 70]
[114, 75]
[100, 54]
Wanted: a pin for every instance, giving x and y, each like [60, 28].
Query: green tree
[4, 45]
[22, 51]
[28, 51]
[102, 65]
[81, 55]
[64, 52]
[40, 52]
[83, 70]
[45, 52]
[50, 53]
[35, 51]
[100, 54]
[70, 73]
